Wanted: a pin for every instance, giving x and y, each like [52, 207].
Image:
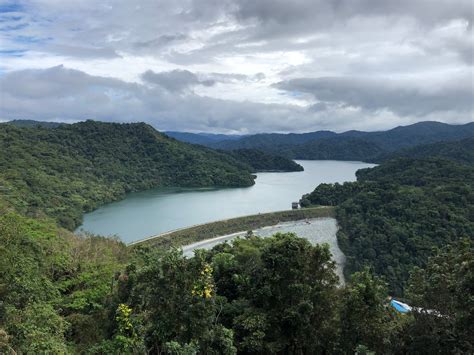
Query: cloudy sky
[238, 66]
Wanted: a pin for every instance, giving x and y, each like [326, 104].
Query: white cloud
[215, 65]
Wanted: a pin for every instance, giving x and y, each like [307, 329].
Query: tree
[37, 329]
[444, 306]
[283, 291]
[364, 317]
[178, 296]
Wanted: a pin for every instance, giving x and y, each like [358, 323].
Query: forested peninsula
[66, 170]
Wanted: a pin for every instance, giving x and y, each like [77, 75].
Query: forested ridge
[261, 161]
[64, 171]
[333, 149]
[392, 217]
[201, 138]
[461, 151]
[350, 145]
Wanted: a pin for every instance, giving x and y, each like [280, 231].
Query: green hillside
[64, 171]
[392, 217]
[333, 149]
[461, 151]
[261, 161]
[267, 141]
[201, 138]
[350, 145]
[34, 124]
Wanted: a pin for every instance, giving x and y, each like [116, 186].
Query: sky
[238, 66]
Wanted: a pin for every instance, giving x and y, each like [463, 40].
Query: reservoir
[155, 211]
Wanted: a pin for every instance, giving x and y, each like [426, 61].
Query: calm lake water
[151, 212]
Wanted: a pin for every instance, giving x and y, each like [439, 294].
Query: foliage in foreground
[54, 286]
[64, 294]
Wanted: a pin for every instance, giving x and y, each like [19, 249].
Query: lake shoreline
[164, 209]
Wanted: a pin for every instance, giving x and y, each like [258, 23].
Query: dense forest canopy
[63, 171]
[461, 151]
[54, 285]
[66, 294]
[395, 213]
[333, 149]
[261, 161]
[34, 124]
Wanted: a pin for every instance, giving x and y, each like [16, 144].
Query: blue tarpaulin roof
[400, 306]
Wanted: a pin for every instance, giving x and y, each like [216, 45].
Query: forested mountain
[64, 171]
[261, 161]
[332, 148]
[201, 138]
[461, 151]
[395, 213]
[33, 123]
[257, 160]
[352, 144]
[418, 133]
[267, 141]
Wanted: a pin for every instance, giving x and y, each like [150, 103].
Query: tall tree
[442, 295]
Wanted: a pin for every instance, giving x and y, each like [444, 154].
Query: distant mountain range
[248, 141]
[350, 145]
[202, 138]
